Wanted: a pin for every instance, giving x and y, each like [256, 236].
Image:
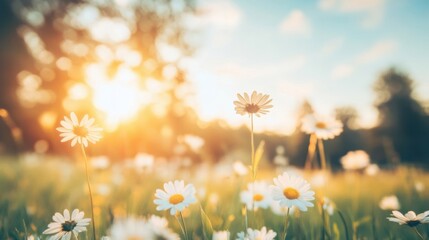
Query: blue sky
[327, 51]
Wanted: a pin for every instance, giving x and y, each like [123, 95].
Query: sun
[119, 97]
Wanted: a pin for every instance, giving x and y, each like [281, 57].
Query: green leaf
[258, 156]
[207, 225]
[348, 225]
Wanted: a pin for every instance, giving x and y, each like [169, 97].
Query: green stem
[286, 223]
[322, 153]
[311, 151]
[345, 224]
[184, 226]
[418, 233]
[252, 142]
[90, 192]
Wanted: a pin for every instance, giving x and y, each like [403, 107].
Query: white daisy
[176, 196]
[257, 193]
[355, 160]
[65, 225]
[279, 210]
[79, 132]
[254, 234]
[291, 191]
[257, 103]
[328, 205]
[389, 203]
[221, 235]
[142, 229]
[323, 127]
[410, 218]
[239, 168]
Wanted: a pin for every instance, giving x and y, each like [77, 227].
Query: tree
[85, 56]
[403, 123]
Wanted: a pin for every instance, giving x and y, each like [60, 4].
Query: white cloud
[223, 13]
[296, 23]
[332, 45]
[267, 70]
[342, 71]
[378, 50]
[373, 9]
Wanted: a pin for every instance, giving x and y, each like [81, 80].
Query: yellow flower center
[252, 108]
[321, 125]
[258, 197]
[176, 199]
[80, 131]
[134, 238]
[291, 193]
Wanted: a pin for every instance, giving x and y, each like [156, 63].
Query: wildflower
[291, 191]
[372, 170]
[419, 186]
[328, 205]
[140, 229]
[410, 218]
[240, 169]
[194, 142]
[254, 234]
[355, 160]
[144, 161]
[322, 126]
[65, 225]
[175, 196]
[257, 195]
[221, 235]
[257, 103]
[279, 210]
[100, 162]
[389, 203]
[79, 132]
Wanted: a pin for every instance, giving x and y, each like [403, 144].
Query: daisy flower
[140, 229]
[328, 206]
[389, 203]
[323, 127]
[355, 160]
[292, 190]
[254, 234]
[257, 194]
[65, 225]
[221, 235]
[79, 132]
[410, 218]
[257, 104]
[175, 196]
[279, 210]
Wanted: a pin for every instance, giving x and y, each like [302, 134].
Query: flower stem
[322, 153]
[418, 233]
[286, 223]
[90, 192]
[311, 151]
[185, 231]
[252, 142]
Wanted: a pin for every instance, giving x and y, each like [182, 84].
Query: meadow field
[33, 187]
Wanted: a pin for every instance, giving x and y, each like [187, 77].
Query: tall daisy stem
[252, 142]
[418, 233]
[322, 153]
[286, 223]
[182, 223]
[90, 192]
[311, 151]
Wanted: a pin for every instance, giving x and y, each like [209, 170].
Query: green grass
[33, 188]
